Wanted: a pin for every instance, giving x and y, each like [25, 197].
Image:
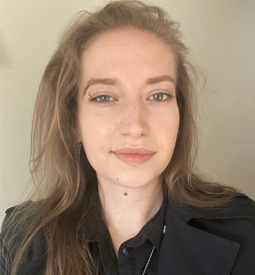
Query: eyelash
[98, 98]
[106, 98]
[162, 95]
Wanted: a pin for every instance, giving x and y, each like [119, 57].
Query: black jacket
[214, 241]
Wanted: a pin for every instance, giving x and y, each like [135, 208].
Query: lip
[134, 156]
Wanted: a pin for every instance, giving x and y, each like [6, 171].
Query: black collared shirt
[134, 253]
[217, 240]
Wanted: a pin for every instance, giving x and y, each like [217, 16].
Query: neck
[126, 211]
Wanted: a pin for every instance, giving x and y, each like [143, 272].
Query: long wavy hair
[66, 196]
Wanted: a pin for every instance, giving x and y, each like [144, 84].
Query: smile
[133, 156]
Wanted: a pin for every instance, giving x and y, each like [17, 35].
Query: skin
[134, 106]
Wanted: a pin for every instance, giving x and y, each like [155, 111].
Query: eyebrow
[105, 81]
[161, 78]
[113, 81]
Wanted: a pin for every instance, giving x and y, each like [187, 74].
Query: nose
[132, 120]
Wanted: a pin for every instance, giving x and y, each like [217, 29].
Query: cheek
[169, 126]
[169, 136]
[93, 130]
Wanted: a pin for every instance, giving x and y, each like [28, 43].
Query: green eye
[160, 97]
[102, 98]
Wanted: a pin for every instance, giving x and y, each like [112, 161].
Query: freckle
[117, 179]
[125, 194]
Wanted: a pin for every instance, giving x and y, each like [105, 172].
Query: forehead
[127, 50]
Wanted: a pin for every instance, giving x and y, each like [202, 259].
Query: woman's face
[128, 116]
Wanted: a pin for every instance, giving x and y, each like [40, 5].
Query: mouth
[133, 156]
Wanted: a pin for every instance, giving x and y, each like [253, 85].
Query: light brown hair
[65, 183]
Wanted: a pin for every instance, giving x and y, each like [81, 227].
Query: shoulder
[13, 233]
[229, 224]
[234, 220]
[237, 215]
[241, 206]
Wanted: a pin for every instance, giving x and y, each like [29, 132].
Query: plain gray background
[220, 35]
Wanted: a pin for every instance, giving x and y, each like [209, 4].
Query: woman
[112, 160]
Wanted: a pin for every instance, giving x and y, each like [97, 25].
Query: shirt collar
[152, 230]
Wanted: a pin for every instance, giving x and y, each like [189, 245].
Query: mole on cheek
[125, 194]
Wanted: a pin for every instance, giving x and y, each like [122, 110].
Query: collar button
[125, 251]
